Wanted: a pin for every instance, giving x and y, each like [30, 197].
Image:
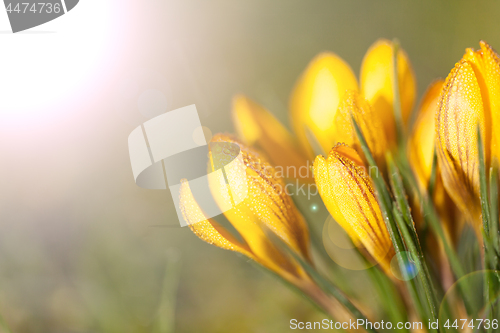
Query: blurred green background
[83, 249]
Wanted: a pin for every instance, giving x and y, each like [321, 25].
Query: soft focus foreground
[84, 249]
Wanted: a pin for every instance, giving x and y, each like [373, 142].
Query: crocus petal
[207, 229]
[349, 196]
[257, 126]
[486, 64]
[326, 188]
[460, 112]
[259, 202]
[377, 77]
[211, 232]
[354, 106]
[316, 97]
[422, 140]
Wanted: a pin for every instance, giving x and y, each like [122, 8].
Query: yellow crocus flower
[486, 65]
[316, 97]
[377, 83]
[260, 205]
[470, 98]
[350, 198]
[315, 100]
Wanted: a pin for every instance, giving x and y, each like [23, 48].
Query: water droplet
[404, 266]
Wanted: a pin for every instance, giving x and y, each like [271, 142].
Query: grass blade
[485, 209]
[494, 213]
[406, 225]
[386, 207]
[485, 213]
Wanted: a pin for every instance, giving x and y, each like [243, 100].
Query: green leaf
[485, 209]
[494, 213]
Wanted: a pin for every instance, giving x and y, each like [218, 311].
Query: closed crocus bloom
[422, 139]
[461, 111]
[255, 125]
[259, 205]
[353, 106]
[486, 65]
[377, 83]
[349, 196]
[470, 98]
[316, 97]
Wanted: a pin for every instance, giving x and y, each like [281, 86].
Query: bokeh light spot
[341, 249]
[202, 135]
[403, 266]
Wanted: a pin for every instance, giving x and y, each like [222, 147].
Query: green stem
[494, 210]
[486, 217]
[407, 227]
[494, 218]
[418, 257]
[483, 186]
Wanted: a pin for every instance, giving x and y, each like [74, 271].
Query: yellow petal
[259, 202]
[207, 229]
[326, 188]
[422, 139]
[460, 111]
[316, 97]
[486, 64]
[257, 126]
[377, 77]
[349, 196]
[353, 105]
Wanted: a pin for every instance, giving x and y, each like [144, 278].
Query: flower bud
[258, 204]
[350, 198]
[316, 97]
[377, 84]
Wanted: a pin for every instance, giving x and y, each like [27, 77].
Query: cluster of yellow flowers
[325, 104]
